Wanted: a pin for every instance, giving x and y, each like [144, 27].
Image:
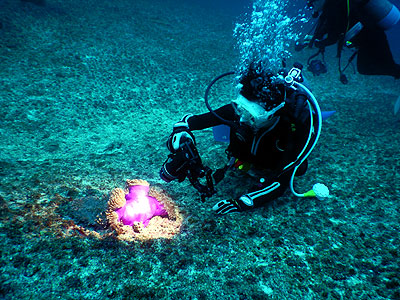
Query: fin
[374, 55]
[327, 114]
[397, 108]
[394, 41]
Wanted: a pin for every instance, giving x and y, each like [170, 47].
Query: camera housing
[186, 163]
[181, 161]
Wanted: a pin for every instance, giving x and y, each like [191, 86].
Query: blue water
[89, 92]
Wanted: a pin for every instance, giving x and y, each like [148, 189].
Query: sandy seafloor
[89, 92]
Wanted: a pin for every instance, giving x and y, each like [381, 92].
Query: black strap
[320, 51]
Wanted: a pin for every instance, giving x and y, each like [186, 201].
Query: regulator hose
[227, 122]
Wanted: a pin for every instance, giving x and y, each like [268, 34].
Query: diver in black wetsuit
[360, 24]
[270, 130]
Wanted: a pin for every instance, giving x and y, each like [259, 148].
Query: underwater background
[89, 93]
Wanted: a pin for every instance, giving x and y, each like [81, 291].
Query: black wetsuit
[270, 149]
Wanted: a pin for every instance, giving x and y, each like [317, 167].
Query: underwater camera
[186, 162]
[317, 67]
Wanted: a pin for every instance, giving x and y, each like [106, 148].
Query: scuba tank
[381, 13]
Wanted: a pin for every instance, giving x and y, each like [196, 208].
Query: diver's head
[261, 97]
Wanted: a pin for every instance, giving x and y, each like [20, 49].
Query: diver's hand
[176, 140]
[182, 124]
[319, 43]
[233, 205]
[226, 206]
[180, 134]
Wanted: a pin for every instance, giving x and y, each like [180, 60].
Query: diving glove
[233, 205]
[180, 134]
[182, 124]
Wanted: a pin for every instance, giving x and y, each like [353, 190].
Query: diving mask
[254, 114]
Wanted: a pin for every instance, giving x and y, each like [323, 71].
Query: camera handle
[197, 170]
[206, 190]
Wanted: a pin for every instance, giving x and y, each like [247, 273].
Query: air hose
[227, 122]
[319, 190]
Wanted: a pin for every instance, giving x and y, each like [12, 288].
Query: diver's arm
[207, 120]
[182, 129]
[325, 42]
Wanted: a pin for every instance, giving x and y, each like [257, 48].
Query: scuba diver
[357, 24]
[274, 123]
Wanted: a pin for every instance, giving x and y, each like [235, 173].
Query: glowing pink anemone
[140, 207]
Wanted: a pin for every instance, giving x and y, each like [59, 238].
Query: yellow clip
[242, 166]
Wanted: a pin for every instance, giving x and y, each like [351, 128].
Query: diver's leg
[374, 55]
[269, 190]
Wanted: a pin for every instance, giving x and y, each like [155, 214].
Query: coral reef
[160, 225]
[138, 205]
[45, 219]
